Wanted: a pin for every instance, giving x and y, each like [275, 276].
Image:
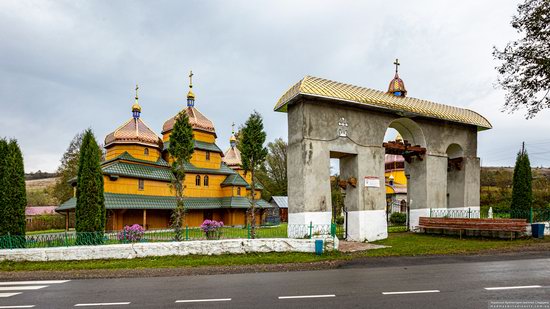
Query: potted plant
[212, 229]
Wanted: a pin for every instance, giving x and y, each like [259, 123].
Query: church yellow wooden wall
[125, 185]
[135, 151]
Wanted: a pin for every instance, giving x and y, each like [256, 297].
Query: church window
[141, 184]
[239, 191]
[208, 156]
[146, 151]
[198, 181]
[206, 181]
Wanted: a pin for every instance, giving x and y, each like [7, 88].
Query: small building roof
[280, 201]
[391, 158]
[323, 88]
[39, 210]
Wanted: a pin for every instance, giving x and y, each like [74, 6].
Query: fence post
[333, 229]
[248, 230]
[430, 212]
[469, 213]
[9, 241]
[531, 215]
[66, 241]
[187, 232]
[310, 229]
[124, 235]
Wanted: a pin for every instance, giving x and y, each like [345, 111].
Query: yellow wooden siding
[198, 159]
[398, 176]
[125, 185]
[198, 135]
[214, 188]
[135, 151]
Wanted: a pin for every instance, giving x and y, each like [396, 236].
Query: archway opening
[404, 171]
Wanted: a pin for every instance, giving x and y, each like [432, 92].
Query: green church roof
[128, 157]
[138, 171]
[136, 201]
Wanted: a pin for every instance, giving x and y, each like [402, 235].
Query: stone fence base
[140, 250]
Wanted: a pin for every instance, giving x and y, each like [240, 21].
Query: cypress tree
[13, 198]
[522, 193]
[90, 202]
[181, 148]
[4, 183]
[253, 154]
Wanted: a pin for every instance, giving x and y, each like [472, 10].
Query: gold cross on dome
[397, 64]
[137, 87]
[191, 79]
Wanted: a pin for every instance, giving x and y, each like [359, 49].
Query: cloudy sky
[69, 65]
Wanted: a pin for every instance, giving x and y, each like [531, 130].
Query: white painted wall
[140, 250]
[367, 225]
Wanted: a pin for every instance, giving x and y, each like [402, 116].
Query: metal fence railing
[67, 239]
[532, 215]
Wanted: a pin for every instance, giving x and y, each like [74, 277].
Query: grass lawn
[413, 244]
[403, 244]
[45, 232]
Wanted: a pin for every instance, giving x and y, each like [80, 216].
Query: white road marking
[4, 295]
[33, 282]
[514, 287]
[202, 300]
[102, 304]
[14, 307]
[410, 292]
[307, 296]
[22, 288]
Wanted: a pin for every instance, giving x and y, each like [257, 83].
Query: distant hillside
[536, 170]
[39, 192]
[39, 175]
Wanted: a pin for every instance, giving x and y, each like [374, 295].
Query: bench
[513, 226]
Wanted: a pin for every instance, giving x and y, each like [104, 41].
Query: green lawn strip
[171, 262]
[412, 244]
[402, 244]
[44, 232]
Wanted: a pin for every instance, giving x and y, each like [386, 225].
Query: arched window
[146, 151]
[206, 181]
[207, 155]
[141, 184]
[239, 191]
[198, 181]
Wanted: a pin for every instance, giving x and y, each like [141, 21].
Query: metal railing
[532, 215]
[67, 239]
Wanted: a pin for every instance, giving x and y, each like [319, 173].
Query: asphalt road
[448, 285]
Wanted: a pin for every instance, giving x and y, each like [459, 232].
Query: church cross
[137, 87]
[397, 64]
[190, 79]
[233, 128]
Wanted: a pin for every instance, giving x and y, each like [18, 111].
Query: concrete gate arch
[330, 119]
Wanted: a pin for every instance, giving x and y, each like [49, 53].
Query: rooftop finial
[233, 139]
[397, 87]
[190, 94]
[397, 64]
[136, 109]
